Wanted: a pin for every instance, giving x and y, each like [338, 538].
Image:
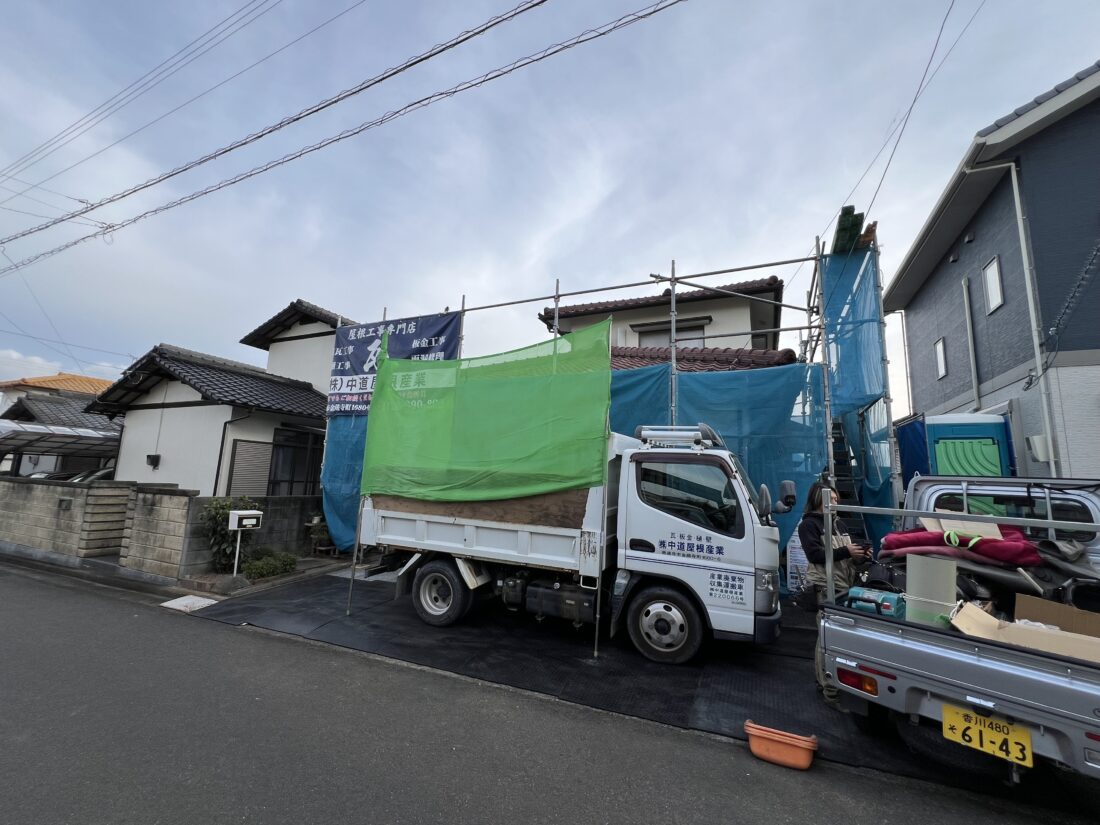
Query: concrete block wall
[154, 529]
[156, 532]
[42, 514]
[283, 530]
[103, 527]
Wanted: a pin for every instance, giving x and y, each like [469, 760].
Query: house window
[295, 463]
[685, 337]
[941, 359]
[994, 293]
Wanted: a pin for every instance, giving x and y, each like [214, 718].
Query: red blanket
[1013, 548]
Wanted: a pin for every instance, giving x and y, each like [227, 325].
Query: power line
[890, 136]
[47, 341]
[81, 221]
[435, 51]
[76, 360]
[80, 127]
[905, 121]
[536, 57]
[172, 111]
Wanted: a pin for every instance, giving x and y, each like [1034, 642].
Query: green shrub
[223, 542]
[267, 566]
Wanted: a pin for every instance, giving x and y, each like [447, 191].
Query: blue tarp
[772, 418]
[341, 475]
[857, 378]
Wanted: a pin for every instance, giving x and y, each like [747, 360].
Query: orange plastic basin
[780, 747]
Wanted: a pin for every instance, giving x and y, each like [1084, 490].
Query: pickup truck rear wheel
[665, 625]
[440, 597]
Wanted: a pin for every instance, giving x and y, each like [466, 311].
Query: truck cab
[690, 522]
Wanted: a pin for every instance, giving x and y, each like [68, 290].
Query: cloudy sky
[718, 133]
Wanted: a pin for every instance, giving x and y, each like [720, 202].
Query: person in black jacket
[846, 554]
[846, 557]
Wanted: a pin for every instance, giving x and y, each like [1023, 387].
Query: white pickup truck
[1016, 704]
[677, 540]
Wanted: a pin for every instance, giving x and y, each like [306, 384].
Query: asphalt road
[114, 710]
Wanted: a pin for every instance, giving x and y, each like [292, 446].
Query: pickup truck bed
[919, 669]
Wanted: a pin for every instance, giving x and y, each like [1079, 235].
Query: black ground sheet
[729, 683]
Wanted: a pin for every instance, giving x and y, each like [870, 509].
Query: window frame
[940, 350]
[740, 528]
[995, 262]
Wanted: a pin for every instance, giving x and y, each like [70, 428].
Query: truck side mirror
[788, 497]
[764, 506]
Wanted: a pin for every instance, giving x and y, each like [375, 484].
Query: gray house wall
[1060, 186]
[1001, 337]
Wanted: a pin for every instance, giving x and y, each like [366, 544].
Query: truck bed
[1056, 698]
[558, 531]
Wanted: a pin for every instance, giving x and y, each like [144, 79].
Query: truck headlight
[767, 591]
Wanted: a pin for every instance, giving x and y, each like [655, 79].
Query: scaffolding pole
[830, 467]
[672, 389]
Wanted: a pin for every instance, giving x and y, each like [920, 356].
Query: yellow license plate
[989, 734]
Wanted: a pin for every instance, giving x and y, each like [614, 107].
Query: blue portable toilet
[969, 444]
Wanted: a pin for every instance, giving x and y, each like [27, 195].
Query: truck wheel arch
[619, 604]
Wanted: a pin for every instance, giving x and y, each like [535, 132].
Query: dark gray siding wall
[1060, 183]
[1001, 338]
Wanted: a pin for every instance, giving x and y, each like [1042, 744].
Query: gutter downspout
[1032, 307]
[221, 450]
[970, 344]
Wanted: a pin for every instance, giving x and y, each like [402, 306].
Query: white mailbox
[245, 519]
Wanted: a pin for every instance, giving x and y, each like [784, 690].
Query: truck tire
[665, 625]
[440, 597]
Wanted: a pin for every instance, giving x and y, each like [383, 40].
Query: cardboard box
[1064, 616]
[974, 621]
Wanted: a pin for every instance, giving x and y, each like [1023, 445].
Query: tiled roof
[58, 410]
[772, 284]
[215, 379]
[62, 381]
[295, 312]
[701, 359]
[1041, 99]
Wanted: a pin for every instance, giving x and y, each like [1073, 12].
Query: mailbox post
[243, 520]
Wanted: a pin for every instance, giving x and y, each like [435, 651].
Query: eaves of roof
[979, 172]
[215, 379]
[295, 312]
[771, 284]
[701, 359]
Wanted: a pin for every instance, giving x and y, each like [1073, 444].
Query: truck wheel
[665, 625]
[440, 596]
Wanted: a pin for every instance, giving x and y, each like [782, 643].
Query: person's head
[819, 493]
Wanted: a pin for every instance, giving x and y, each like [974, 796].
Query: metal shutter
[249, 468]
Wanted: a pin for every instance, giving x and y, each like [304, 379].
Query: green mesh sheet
[521, 423]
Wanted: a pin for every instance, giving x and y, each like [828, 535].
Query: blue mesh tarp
[772, 418]
[852, 315]
[341, 474]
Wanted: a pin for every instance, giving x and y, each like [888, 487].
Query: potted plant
[322, 539]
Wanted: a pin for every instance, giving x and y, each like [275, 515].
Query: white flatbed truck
[677, 541]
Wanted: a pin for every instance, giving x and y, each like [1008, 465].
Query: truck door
[686, 520]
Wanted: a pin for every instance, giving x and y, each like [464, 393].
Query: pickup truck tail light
[859, 681]
[1095, 737]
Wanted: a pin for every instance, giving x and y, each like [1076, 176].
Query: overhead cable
[147, 82]
[433, 52]
[488, 77]
[891, 134]
[173, 110]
